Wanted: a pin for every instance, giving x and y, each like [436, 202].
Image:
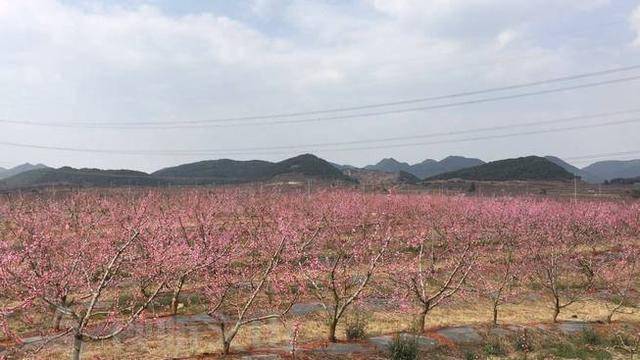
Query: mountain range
[595, 173]
[233, 171]
[614, 169]
[6, 173]
[584, 175]
[524, 168]
[426, 168]
[222, 171]
[80, 177]
[387, 171]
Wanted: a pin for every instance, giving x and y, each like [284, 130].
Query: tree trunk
[57, 315]
[556, 310]
[176, 295]
[57, 319]
[332, 330]
[612, 313]
[495, 314]
[77, 347]
[422, 320]
[226, 346]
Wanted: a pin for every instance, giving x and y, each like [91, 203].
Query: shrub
[472, 188]
[356, 326]
[523, 342]
[590, 337]
[493, 348]
[403, 348]
[623, 341]
[470, 355]
[567, 350]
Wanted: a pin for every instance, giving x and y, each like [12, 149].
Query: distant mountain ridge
[388, 172]
[584, 175]
[426, 168]
[6, 173]
[226, 170]
[343, 167]
[375, 177]
[80, 177]
[223, 171]
[523, 168]
[614, 169]
[389, 165]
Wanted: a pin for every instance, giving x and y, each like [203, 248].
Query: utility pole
[575, 189]
[308, 187]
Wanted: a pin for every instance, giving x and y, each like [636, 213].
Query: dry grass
[166, 342]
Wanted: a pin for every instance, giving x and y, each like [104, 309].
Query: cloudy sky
[158, 79]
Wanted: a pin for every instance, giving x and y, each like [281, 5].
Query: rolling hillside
[426, 168]
[583, 174]
[80, 177]
[612, 169]
[387, 171]
[233, 171]
[524, 168]
[390, 165]
[6, 173]
[223, 170]
[383, 178]
[200, 173]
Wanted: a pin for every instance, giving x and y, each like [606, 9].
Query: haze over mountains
[389, 170]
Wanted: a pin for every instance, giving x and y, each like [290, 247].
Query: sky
[112, 72]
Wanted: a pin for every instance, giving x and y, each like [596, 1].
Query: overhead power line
[244, 150]
[220, 153]
[286, 117]
[436, 134]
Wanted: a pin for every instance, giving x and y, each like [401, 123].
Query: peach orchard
[96, 262]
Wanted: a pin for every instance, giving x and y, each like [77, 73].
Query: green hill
[233, 171]
[524, 168]
[80, 177]
[223, 171]
[584, 175]
[426, 168]
[7, 173]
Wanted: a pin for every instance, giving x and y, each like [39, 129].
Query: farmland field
[193, 273]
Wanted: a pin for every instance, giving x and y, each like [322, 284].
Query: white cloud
[60, 62]
[440, 7]
[505, 38]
